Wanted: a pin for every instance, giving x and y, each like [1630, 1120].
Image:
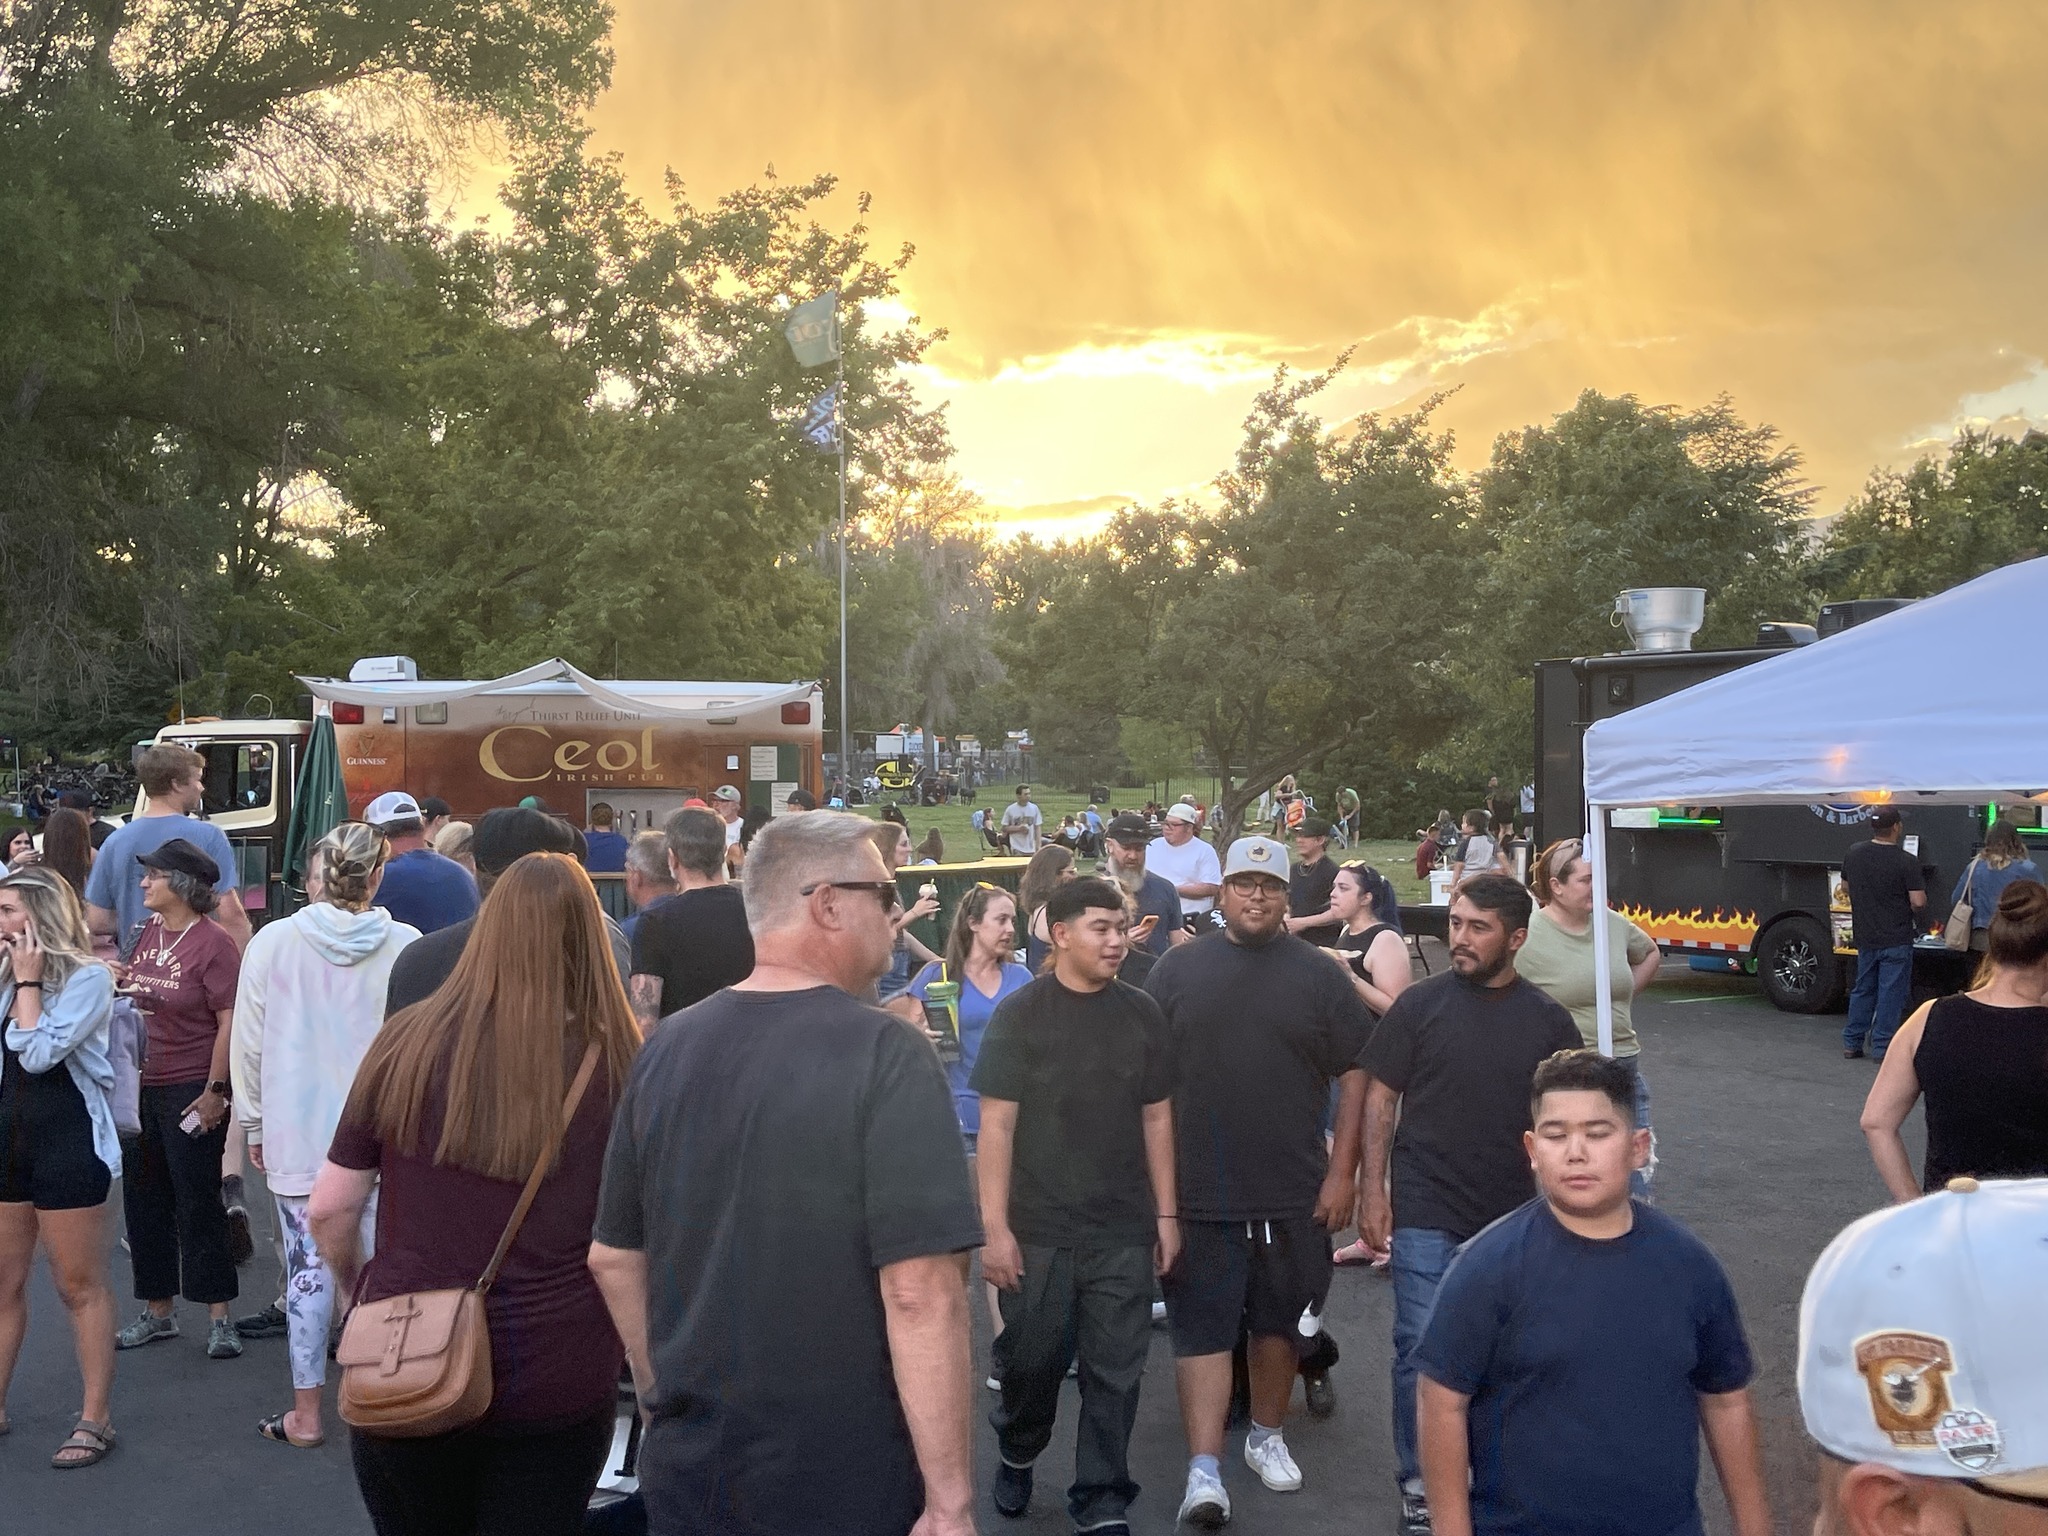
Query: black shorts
[1259, 1274]
[46, 1154]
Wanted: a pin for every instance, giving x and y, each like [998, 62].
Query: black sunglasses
[892, 898]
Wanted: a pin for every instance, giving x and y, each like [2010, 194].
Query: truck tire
[1796, 962]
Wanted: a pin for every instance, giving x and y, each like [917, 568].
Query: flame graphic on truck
[1696, 929]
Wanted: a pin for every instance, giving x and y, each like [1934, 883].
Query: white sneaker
[1207, 1504]
[1275, 1467]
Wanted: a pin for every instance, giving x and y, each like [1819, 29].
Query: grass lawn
[1394, 859]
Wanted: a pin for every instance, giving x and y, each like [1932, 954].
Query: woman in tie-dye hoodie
[311, 1001]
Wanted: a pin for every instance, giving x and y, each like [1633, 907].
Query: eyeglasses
[891, 897]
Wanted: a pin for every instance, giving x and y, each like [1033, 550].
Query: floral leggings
[309, 1287]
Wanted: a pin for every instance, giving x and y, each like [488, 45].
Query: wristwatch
[220, 1086]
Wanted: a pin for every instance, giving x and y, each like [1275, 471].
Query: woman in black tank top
[1980, 1059]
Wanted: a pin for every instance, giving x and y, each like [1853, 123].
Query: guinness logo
[1907, 1375]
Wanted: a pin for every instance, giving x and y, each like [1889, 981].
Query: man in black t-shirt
[1451, 1064]
[696, 941]
[1262, 1024]
[1886, 895]
[1310, 886]
[1076, 1168]
[783, 1229]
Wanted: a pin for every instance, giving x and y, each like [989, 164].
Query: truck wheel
[1797, 965]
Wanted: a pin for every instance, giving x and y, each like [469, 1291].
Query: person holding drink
[974, 975]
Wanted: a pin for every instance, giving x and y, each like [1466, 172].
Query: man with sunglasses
[1923, 1366]
[783, 1231]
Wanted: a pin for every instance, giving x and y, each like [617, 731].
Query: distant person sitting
[606, 846]
[648, 880]
[1478, 852]
[421, 887]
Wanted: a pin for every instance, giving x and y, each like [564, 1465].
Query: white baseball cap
[1921, 1342]
[1256, 856]
[1180, 810]
[393, 805]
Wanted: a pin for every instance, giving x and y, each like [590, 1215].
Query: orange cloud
[1126, 215]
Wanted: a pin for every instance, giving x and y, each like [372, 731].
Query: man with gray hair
[648, 880]
[689, 946]
[783, 1231]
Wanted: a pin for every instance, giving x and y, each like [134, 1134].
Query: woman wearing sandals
[457, 1102]
[59, 1151]
[1375, 956]
[312, 1001]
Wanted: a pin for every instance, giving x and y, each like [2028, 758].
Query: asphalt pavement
[1759, 1153]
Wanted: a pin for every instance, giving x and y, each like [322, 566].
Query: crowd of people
[747, 1153]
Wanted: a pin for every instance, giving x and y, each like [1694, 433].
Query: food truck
[1755, 889]
[550, 732]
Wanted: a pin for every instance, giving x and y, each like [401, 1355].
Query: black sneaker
[267, 1324]
[1321, 1395]
[1012, 1492]
[1415, 1516]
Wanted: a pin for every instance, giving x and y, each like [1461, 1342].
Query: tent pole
[1596, 858]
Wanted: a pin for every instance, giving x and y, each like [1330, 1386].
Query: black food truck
[1755, 889]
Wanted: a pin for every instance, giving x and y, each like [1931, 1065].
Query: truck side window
[239, 776]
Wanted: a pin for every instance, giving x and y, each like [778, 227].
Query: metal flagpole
[839, 410]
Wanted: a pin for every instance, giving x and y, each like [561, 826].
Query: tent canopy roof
[1931, 704]
[663, 700]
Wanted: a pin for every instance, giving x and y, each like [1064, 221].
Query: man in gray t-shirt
[171, 779]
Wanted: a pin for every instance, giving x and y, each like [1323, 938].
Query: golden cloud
[1832, 211]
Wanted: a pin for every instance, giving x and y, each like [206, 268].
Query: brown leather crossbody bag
[420, 1364]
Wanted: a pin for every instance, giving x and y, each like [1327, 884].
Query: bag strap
[540, 1169]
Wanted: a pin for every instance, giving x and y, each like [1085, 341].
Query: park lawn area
[1393, 858]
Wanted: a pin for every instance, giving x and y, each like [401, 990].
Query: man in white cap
[1189, 863]
[1262, 1025]
[420, 886]
[726, 801]
[1923, 1366]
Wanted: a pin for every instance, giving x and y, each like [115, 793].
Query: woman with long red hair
[456, 1102]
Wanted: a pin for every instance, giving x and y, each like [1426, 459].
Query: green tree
[1943, 521]
[1615, 494]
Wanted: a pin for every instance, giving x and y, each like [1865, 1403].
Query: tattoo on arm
[645, 992]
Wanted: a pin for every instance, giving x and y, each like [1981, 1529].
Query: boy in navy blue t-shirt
[1580, 1343]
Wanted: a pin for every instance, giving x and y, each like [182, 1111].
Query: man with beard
[1451, 1064]
[1262, 1025]
[1123, 858]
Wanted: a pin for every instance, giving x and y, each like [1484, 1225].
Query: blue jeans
[1877, 1005]
[1420, 1258]
[1639, 1179]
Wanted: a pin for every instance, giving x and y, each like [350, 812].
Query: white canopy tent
[667, 701]
[1929, 705]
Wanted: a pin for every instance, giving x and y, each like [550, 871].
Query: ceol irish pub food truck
[550, 731]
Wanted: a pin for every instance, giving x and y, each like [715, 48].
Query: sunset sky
[1126, 215]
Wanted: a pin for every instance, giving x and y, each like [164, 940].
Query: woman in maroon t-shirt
[451, 1109]
[183, 974]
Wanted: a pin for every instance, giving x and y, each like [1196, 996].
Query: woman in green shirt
[1558, 958]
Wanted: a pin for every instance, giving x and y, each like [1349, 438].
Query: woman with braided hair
[311, 1001]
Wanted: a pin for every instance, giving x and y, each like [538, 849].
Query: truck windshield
[240, 775]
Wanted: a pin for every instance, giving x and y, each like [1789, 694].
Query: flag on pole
[821, 421]
[813, 330]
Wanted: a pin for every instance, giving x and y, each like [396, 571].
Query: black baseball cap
[507, 835]
[434, 805]
[1128, 827]
[802, 799]
[1884, 818]
[180, 857]
[1312, 826]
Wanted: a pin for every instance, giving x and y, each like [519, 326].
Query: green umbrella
[319, 799]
